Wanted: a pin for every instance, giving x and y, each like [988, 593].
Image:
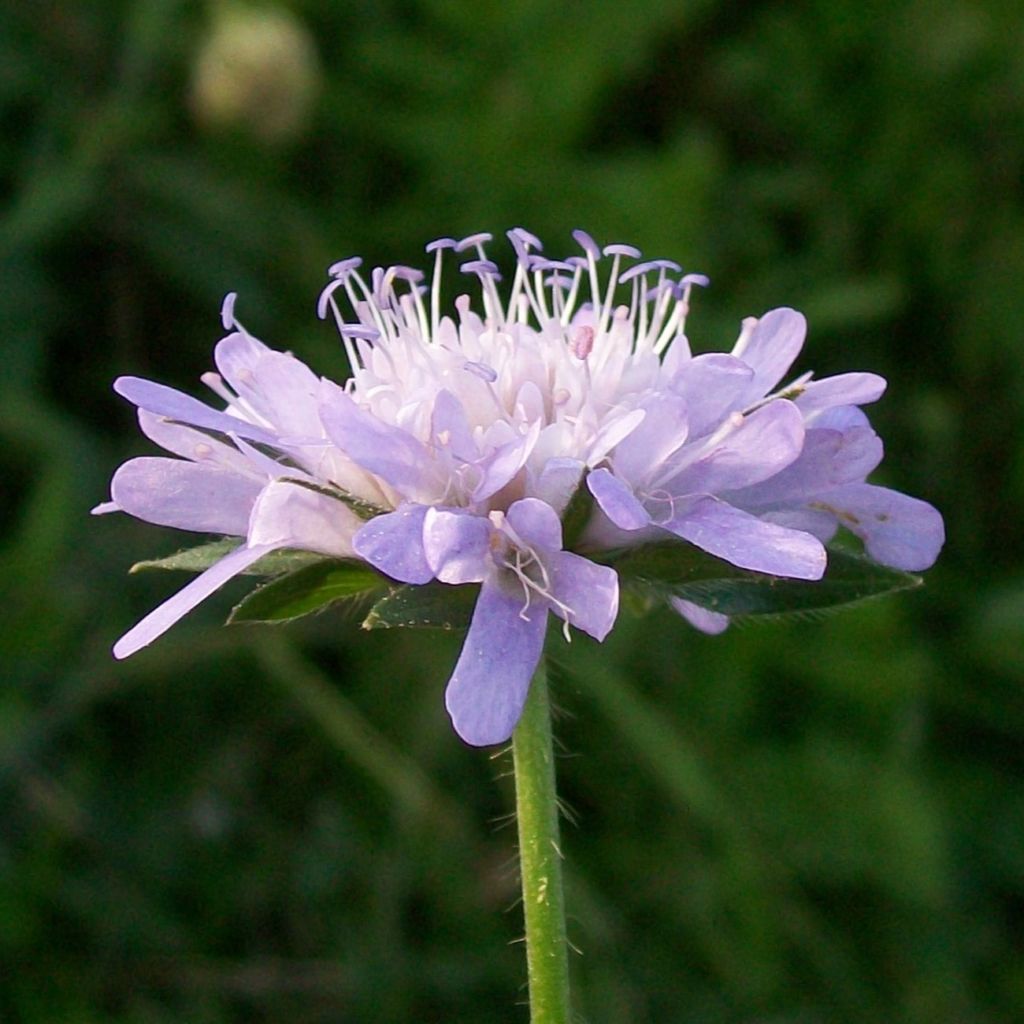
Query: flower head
[456, 447]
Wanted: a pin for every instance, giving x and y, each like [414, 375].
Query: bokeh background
[797, 822]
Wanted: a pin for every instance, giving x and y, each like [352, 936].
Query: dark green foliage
[796, 822]
[671, 569]
[312, 588]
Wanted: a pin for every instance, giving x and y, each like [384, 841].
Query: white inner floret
[561, 351]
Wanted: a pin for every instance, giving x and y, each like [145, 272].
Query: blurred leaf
[434, 605]
[674, 569]
[310, 589]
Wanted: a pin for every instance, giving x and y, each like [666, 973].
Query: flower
[458, 444]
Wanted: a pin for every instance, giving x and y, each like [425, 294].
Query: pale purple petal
[281, 389]
[501, 466]
[488, 688]
[105, 508]
[819, 524]
[588, 593]
[185, 495]
[706, 621]
[617, 501]
[393, 543]
[390, 452]
[843, 389]
[770, 348]
[536, 524]
[165, 401]
[764, 443]
[829, 459]
[613, 433]
[662, 431]
[557, 482]
[235, 356]
[842, 418]
[457, 545]
[288, 515]
[748, 542]
[166, 615]
[713, 385]
[451, 429]
[194, 444]
[897, 530]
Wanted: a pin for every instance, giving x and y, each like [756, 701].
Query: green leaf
[201, 557]
[307, 590]
[436, 605]
[675, 569]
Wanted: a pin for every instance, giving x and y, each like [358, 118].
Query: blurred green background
[807, 821]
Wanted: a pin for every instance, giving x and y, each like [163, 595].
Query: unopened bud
[256, 70]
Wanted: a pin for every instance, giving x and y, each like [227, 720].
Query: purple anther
[648, 267]
[441, 243]
[559, 281]
[363, 331]
[525, 237]
[227, 310]
[481, 370]
[701, 280]
[482, 268]
[655, 293]
[620, 249]
[586, 243]
[480, 238]
[412, 274]
[377, 281]
[323, 303]
[543, 263]
[576, 262]
[345, 267]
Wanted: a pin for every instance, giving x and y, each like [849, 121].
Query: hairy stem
[540, 859]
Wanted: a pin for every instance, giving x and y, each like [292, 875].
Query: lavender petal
[536, 524]
[166, 615]
[393, 543]
[390, 452]
[288, 515]
[457, 545]
[712, 385]
[763, 444]
[488, 688]
[897, 530]
[748, 542]
[185, 495]
[843, 389]
[617, 501]
[588, 591]
[770, 348]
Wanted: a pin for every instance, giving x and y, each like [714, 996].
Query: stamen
[344, 267]
[227, 310]
[587, 244]
[480, 238]
[621, 249]
[441, 243]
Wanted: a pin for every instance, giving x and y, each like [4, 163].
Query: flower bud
[256, 70]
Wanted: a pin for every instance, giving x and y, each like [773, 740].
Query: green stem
[540, 858]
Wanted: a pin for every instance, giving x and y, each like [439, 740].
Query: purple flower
[458, 444]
